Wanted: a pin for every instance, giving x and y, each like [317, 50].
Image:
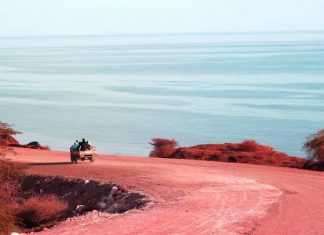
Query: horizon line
[167, 34]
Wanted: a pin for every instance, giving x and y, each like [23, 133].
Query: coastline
[193, 196]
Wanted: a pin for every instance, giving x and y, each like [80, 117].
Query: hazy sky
[78, 17]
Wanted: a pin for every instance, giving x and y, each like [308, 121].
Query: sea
[120, 91]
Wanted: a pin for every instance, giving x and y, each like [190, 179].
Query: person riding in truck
[75, 146]
[83, 145]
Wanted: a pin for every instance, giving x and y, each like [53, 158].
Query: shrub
[6, 130]
[39, 210]
[163, 148]
[232, 159]
[249, 146]
[314, 146]
[7, 219]
[9, 174]
[10, 171]
[6, 133]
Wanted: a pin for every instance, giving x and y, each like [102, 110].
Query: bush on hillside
[10, 171]
[7, 219]
[6, 133]
[9, 174]
[39, 210]
[314, 146]
[6, 130]
[249, 146]
[163, 148]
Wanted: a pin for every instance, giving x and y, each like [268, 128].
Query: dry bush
[10, 171]
[9, 174]
[39, 210]
[163, 148]
[6, 135]
[6, 130]
[7, 219]
[249, 146]
[314, 146]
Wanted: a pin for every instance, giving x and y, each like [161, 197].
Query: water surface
[121, 91]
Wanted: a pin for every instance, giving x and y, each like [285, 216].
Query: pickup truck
[83, 155]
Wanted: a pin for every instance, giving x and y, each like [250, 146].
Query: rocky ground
[82, 195]
[192, 197]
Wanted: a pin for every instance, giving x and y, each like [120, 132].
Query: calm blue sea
[121, 91]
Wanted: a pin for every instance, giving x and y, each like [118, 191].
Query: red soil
[193, 197]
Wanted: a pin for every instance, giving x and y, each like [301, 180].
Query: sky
[102, 17]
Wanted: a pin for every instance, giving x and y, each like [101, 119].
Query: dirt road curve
[194, 197]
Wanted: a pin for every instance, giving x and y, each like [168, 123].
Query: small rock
[101, 205]
[41, 191]
[80, 208]
[86, 181]
[114, 191]
[14, 233]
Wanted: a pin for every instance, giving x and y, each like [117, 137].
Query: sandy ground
[193, 197]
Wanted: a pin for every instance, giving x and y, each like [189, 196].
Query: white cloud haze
[79, 17]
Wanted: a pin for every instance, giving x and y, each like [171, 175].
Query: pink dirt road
[193, 197]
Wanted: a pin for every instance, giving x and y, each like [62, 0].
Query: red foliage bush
[6, 133]
[249, 146]
[7, 219]
[9, 174]
[163, 148]
[10, 171]
[6, 130]
[314, 146]
[40, 210]
[249, 151]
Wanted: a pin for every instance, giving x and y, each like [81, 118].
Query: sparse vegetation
[314, 146]
[249, 146]
[7, 130]
[31, 212]
[248, 151]
[163, 148]
[39, 210]
[6, 133]
[9, 174]
[7, 219]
